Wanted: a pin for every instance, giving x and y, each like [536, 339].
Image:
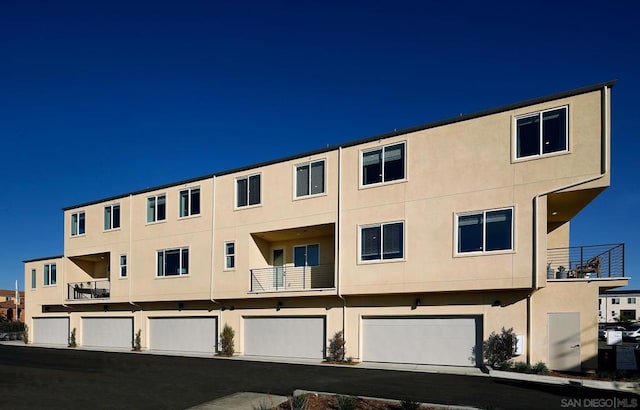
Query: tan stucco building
[417, 243]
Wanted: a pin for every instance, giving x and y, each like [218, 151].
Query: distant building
[8, 305]
[619, 306]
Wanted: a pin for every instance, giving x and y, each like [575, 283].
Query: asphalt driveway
[39, 378]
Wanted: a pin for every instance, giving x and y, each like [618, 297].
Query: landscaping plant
[336, 347]
[499, 348]
[226, 341]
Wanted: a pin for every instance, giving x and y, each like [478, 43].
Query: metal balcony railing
[595, 261]
[95, 289]
[291, 278]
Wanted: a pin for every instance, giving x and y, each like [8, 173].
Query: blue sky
[103, 98]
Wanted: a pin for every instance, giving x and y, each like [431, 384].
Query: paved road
[39, 378]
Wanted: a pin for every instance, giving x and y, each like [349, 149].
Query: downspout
[213, 217]
[64, 269]
[604, 168]
[337, 246]
[129, 255]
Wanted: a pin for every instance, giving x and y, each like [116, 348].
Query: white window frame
[247, 178]
[78, 223]
[382, 259]
[189, 204]
[123, 267]
[484, 212]
[540, 153]
[112, 208]
[227, 255]
[631, 301]
[615, 301]
[308, 164]
[181, 270]
[382, 154]
[50, 279]
[34, 278]
[155, 208]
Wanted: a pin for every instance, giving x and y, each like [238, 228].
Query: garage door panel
[53, 330]
[107, 332]
[299, 337]
[422, 340]
[185, 334]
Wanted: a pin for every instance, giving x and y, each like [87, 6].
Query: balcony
[292, 278]
[96, 289]
[586, 262]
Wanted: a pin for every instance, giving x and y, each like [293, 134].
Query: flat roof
[435, 124]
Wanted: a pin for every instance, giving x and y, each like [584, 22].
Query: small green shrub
[522, 367]
[499, 348]
[346, 402]
[137, 341]
[540, 368]
[11, 327]
[409, 405]
[298, 403]
[336, 347]
[72, 338]
[226, 341]
[25, 334]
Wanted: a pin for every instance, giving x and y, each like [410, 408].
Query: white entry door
[564, 341]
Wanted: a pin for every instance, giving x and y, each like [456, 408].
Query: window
[631, 301]
[111, 217]
[123, 266]
[190, 202]
[33, 278]
[173, 262]
[306, 255]
[485, 231]
[156, 208]
[383, 164]
[615, 301]
[382, 241]
[77, 224]
[50, 274]
[542, 133]
[248, 191]
[230, 255]
[310, 178]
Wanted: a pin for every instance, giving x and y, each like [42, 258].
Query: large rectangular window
[190, 202]
[306, 255]
[541, 133]
[173, 262]
[383, 164]
[123, 266]
[33, 278]
[248, 191]
[111, 217]
[230, 255]
[77, 224]
[156, 208]
[485, 231]
[310, 178]
[50, 278]
[382, 241]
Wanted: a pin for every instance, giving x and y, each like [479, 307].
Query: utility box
[614, 337]
[519, 348]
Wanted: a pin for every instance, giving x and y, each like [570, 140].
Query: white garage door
[301, 337]
[452, 341]
[51, 330]
[109, 332]
[184, 334]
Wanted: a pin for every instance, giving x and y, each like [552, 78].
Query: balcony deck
[95, 289]
[586, 262]
[292, 278]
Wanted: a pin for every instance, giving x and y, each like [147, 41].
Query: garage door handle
[574, 346]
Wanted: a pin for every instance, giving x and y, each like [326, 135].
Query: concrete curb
[627, 387]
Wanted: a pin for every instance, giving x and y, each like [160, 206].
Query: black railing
[291, 278]
[594, 261]
[95, 289]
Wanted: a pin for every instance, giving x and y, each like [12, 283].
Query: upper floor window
[33, 278]
[173, 262]
[631, 301]
[541, 133]
[229, 255]
[485, 231]
[248, 191]
[50, 274]
[190, 202]
[310, 178]
[123, 266]
[615, 301]
[306, 255]
[156, 208]
[111, 217]
[77, 224]
[382, 241]
[383, 164]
